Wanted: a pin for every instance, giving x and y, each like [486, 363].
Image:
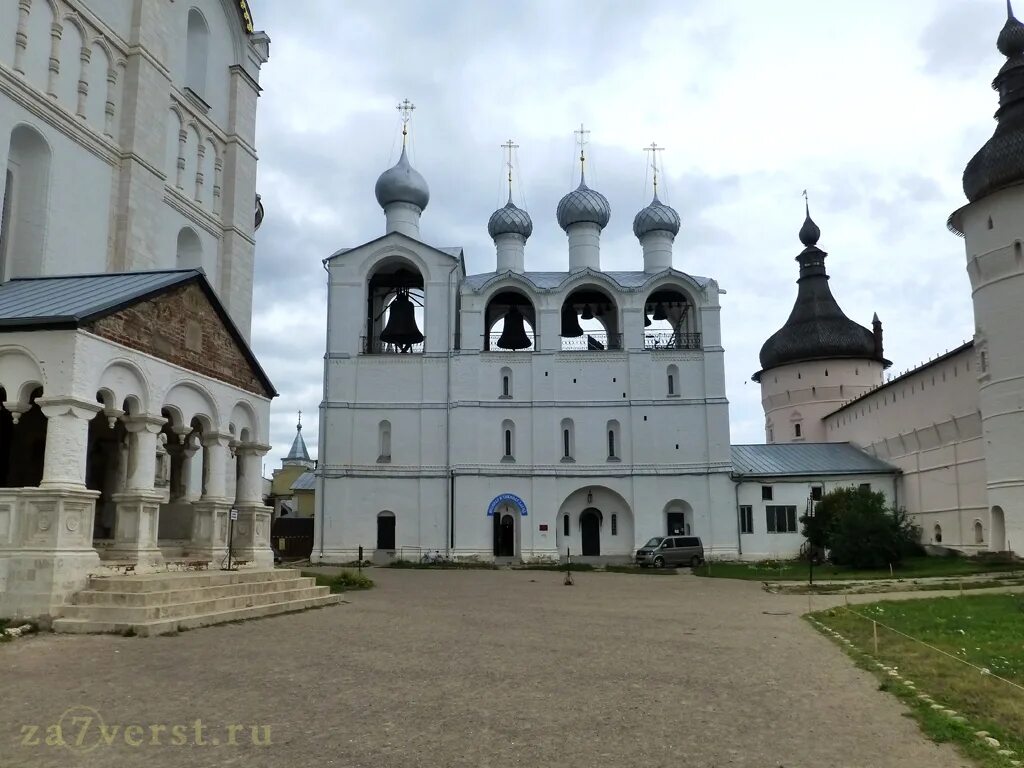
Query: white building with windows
[519, 414]
[133, 414]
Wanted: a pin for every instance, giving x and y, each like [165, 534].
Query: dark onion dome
[1000, 162]
[583, 204]
[402, 184]
[510, 220]
[656, 217]
[817, 329]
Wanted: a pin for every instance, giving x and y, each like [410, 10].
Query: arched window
[613, 440]
[395, 305]
[670, 320]
[506, 383]
[384, 433]
[565, 525]
[797, 430]
[509, 322]
[590, 321]
[568, 440]
[979, 532]
[24, 222]
[508, 437]
[673, 379]
[386, 530]
[197, 43]
[938, 534]
[189, 250]
[615, 524]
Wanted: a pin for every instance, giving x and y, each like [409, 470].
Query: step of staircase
[161, 603]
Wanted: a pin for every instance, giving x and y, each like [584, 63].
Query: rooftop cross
[299, 425]
[508, 146]
[405, 109]
[654, 149]
[581, 139]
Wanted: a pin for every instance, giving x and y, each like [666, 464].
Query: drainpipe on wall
[739, 525]
[449, 539]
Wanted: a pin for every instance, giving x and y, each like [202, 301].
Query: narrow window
[565, 525]
[197, 41]
[384, 436]
[508, 443]
[567, 440]
[816, 492]
[671, 384]
[615, 524]
[504, 387]
[506, 383]
[796, 430]
[613, 437]
[611, 443]
[566, 450]
[766, 493]
[979, 532]
[746, 519]
[938, 534]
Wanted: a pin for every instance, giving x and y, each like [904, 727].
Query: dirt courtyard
[468, 668]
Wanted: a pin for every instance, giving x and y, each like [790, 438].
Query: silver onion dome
[583, 204]
[656, 217]
[510, 220]
[402, 184]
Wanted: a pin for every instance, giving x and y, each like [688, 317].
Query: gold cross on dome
[508, 146]
[405, 109]
[654, 149]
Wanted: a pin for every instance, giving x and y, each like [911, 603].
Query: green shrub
[859, 530]
[341, 582]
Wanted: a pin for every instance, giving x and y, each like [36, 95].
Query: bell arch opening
[395, 302]
[590, 320]
[510, 322]
[670, 320]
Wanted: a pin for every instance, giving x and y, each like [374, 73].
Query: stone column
[251, 534]
[210, 513]
[138, 505]
[67, 440]
[51, 554]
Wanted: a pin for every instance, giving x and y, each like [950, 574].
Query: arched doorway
[386, 531]
[678, 518]
[590, 532]
[997, 530]
[504, 535]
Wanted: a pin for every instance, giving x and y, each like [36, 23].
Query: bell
[659, 312]
[401, 329]
[513, 335]
[587, 313]
[647, 320]
[570, 323]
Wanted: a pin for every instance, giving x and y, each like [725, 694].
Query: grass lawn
[985, 630]
[912, 568]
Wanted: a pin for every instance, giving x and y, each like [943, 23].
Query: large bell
[587, 313]
[513, 335]
[659, 312]
[401, 329]
[570, 323]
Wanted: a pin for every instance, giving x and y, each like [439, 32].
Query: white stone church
[133, 415]
[524, 415]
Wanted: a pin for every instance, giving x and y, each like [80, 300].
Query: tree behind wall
[859, 530]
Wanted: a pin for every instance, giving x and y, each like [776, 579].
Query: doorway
[386, 531]
[677, 524]
[590, 532]
[504, 536]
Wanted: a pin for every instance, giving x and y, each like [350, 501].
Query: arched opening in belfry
[395, 304]
[590, 320]
[510, 321]
[22, 440]
[197, 45]
[670, 320]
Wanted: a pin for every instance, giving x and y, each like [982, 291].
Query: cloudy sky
[873, 107]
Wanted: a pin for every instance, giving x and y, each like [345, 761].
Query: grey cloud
[951, 41]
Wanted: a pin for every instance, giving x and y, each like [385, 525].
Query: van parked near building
[670, 551]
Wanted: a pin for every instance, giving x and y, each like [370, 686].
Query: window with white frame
[613, 440]
[508, 437]
[780, 518]
[568, 440]
[746, 518]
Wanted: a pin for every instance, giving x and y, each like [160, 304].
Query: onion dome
[1000, 163]
[817, 329]
[402, 184]
[510, 220]
[583, 204]
[656, 217]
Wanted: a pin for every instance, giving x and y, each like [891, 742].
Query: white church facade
[520, 414]
[133, 415]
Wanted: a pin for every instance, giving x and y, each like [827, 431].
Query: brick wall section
[182, 327]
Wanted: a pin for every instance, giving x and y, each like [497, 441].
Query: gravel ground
[471, 668]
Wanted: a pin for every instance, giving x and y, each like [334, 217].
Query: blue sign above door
[506, 498]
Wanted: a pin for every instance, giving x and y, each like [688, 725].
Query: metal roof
[802, 459]
[305, 482]
[69, 300]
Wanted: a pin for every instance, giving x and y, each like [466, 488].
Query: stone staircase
[161, 603]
